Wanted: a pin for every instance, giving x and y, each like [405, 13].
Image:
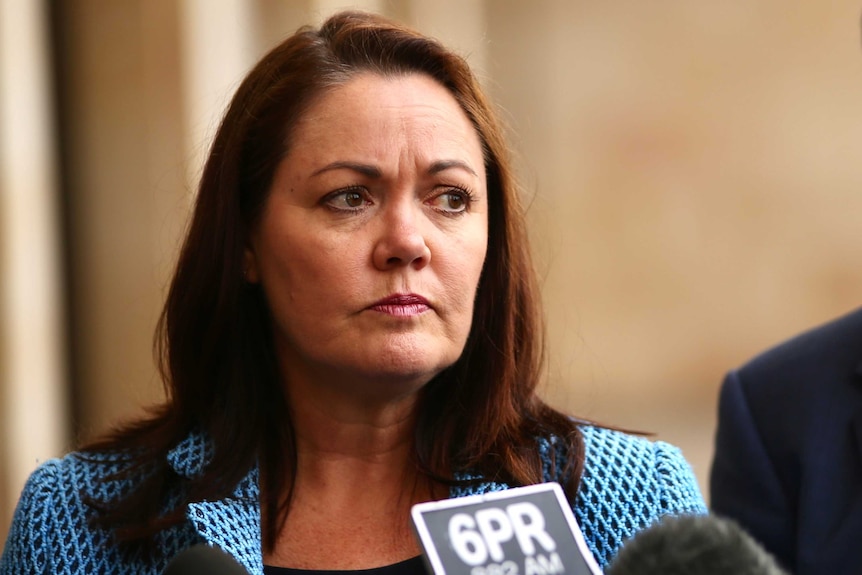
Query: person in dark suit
[788, 449]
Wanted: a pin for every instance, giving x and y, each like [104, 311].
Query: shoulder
[833, 347]
[653, 471]
[48, 502]
[60, 486]
[34, 521]
[809, 380]
[628, 483]
[53, 505]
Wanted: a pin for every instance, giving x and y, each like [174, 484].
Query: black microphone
[202, 559]
[693, 545]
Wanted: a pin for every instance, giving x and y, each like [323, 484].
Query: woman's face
[373, 236]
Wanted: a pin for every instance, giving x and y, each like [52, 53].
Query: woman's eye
[350, 199]
[353, 199]
[453, 201]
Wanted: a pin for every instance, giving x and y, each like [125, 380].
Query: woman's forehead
[373, 115]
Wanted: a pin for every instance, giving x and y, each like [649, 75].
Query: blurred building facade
[693, 173]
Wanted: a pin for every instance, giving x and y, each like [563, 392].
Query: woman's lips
[403, 305]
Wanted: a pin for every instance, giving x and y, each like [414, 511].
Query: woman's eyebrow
[364, 169]
[374, 172]
[442, 165]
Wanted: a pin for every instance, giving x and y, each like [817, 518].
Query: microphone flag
[521, 531]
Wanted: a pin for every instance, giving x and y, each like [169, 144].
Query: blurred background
[693, 170]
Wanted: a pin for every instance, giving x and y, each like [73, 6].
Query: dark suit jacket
[788, 450]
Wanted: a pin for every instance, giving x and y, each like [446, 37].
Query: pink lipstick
[403, 305]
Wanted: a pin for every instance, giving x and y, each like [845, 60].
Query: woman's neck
[333, 426]
[335, 455]
[356, 479]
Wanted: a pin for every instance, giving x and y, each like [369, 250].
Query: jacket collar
[191, 455]
[232, 523]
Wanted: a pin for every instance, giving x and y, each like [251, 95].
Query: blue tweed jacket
[628, 483]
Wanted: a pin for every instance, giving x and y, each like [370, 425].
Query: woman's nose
[401, 241]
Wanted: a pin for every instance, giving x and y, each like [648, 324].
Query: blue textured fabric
[628, 484]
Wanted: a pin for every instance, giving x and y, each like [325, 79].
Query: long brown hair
[214, 341]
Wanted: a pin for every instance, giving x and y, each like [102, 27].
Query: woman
[352, 328]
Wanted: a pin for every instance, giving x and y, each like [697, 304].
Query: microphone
[201, 559]
[522, 531]
[693, 545]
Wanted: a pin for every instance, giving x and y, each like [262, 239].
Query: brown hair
[214, 338]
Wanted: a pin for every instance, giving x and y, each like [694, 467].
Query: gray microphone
[203, 559]
[693, 545]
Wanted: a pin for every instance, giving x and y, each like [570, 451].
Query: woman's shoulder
[52, 529]
[67, 480]
[611, 454]
[53, 505]
[655, 472]
[611, 449]
[628, 483]
[61, 480]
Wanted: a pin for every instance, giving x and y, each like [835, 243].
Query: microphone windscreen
[204, 560]
[693, 545]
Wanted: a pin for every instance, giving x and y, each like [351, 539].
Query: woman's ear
[249, 266]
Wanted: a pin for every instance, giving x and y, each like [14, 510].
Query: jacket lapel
[232, 523]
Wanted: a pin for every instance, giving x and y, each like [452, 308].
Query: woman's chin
[408, 357]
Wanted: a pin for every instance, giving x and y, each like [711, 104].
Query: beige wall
[33, 406]
[693, 169]
[698, 186]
